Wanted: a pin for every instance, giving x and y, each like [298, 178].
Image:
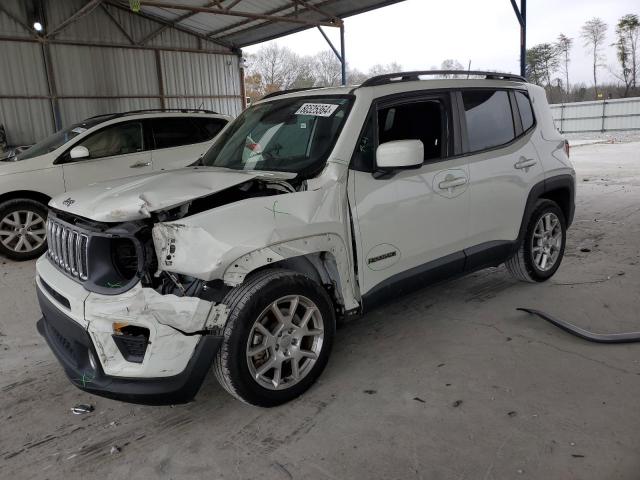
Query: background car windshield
[293, 135]
[56, 140]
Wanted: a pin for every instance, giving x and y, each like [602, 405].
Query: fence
[597, 116]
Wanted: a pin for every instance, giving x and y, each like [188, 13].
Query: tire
[528, 263]
[250, 304]
[22, 229]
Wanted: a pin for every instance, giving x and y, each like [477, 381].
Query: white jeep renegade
[309, 207]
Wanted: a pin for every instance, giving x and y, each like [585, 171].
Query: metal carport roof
[239, 23]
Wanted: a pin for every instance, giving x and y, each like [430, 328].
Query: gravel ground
[448, 383]
[608, 137]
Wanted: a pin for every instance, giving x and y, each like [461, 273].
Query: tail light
[566, 147]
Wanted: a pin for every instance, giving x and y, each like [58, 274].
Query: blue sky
[419, 34]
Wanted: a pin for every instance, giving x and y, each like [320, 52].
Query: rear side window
[209, 127]
[175, 131]
[526, 113]
[489, 118]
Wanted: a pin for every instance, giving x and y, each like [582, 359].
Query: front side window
[293, 135]
[489, 118]
[119, 139]
[414, 121]
[210, 127]
[526, 113]
[58, 139]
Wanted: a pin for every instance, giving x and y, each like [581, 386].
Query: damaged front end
[147, 334]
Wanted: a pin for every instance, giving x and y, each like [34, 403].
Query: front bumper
[73, 347]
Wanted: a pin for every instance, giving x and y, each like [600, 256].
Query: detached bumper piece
[629, 337]
[72, 346]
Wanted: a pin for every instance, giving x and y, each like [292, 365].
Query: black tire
[19, 205]
[246, 303]
[522, 265]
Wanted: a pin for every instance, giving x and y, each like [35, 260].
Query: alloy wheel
[284, 342]
[22, 231]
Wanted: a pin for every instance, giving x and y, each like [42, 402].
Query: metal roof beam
[17, 20]
[177, 27]
[310, 6]
[88, 8]
[117, 24]
[172, 23]
[252, 27]
[236, 13]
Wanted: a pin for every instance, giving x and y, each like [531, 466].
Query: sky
[419, 34]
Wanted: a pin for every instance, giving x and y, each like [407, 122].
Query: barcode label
[317, 109]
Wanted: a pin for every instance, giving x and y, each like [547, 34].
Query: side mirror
[400, 154]
[79, 152]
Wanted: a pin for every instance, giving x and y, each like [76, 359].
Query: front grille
[68, 248]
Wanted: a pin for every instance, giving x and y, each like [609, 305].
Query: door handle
[140, 165]
[452, 183]
[525, 163]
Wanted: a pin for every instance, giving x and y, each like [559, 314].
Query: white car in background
[104, 147]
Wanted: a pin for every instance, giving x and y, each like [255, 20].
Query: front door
[116, 151]
[408, 222]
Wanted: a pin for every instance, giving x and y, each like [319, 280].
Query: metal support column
[521, 14]
[340, 54]
[343, 60]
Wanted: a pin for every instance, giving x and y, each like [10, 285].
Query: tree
[542, 61]
[563, 46]
[327, 69]
[276, 68]
[628, 32]
[380, 69]
[623, 55]
[593, 33]
[451, 64]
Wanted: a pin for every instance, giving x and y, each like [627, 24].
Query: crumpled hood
[135, 198]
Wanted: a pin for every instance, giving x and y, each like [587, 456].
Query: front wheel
[277, 338]
[542, 248]
[23, 229]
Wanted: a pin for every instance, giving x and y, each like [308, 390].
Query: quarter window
[526, 113]
[489, 118]
[119, 139]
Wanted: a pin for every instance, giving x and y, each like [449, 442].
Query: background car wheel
[542, 248]
[277, 339]
[23, 229]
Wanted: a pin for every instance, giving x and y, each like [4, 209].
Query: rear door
[115, 151]
[180, 141]
[409, 221]
[503, 163]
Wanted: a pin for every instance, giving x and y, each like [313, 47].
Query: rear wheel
[23, 229]
[542, 249]
[277, 339]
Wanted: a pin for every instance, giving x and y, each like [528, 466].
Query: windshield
[292, 135]
[58, 139]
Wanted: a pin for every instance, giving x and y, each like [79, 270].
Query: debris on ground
[115, 449]
[370, 392]
[585, 250]
[82, 408]
[512, 413]
[457, 403]
[418, 399]
[576, 455]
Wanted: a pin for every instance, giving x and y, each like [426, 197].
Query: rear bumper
[72, 346]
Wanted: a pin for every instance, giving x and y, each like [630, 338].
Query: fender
[539, 190]
[330, 243]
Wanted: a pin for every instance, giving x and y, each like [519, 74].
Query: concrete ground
[449, 383]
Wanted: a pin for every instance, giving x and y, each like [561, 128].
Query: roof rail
[291, 90]
[151, 110]
[415, 75]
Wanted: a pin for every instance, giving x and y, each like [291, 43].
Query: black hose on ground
[629, 337]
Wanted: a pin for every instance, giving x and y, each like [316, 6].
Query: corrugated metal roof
[240, 31]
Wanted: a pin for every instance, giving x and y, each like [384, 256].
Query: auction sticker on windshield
[317, 109]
